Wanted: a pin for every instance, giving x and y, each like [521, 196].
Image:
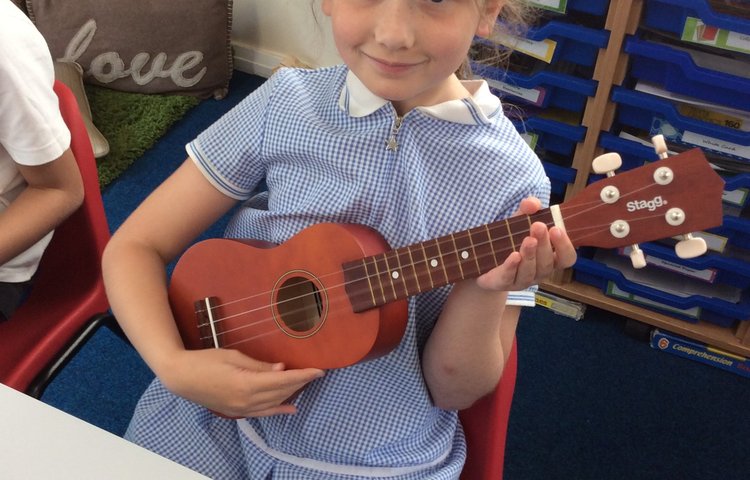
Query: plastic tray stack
[689, 80]
[549, 81]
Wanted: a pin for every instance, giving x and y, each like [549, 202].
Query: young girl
[392, 140]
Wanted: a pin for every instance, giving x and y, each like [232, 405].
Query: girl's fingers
[545, 253]
[565, 252]
[527, 269]
[536, 259]
[267, 393]
[529, 206]
[499, 278]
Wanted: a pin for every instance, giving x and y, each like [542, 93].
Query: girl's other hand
[235, 385]
[540, 254]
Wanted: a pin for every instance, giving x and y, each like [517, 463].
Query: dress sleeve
[230, 151]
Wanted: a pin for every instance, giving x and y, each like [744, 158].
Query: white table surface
[39, 442]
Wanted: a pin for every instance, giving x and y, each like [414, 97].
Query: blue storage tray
[741, 180]
[644, 111]
[543, 89]
[575, 43]
[552, 135]
[734, 183]
[559, 177]
[593, 7]
[670, 16]
[677, 72]
[725, 269]
[719, 312]
[735, 230]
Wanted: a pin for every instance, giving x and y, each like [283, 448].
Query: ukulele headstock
[667, 198]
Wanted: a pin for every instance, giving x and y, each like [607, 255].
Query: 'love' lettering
[108, 66]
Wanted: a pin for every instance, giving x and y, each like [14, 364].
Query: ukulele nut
[663, 175]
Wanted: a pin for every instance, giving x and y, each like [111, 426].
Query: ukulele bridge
[206, 324]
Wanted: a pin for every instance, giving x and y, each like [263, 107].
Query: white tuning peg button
[690, 247]
[607, 163]
[637, 258]
[660, 146]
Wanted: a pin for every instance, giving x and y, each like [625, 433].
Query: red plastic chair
[67, 303]
[486, 425]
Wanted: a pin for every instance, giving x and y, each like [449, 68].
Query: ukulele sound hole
[300, 305]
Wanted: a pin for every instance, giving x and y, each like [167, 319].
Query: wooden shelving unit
[612, 63]
[734, 340]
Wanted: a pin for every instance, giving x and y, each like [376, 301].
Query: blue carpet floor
[590, 403]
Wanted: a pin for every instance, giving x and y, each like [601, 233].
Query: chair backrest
[68, 288]
[486, 425]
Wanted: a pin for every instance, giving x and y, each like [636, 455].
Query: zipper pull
[392, 144]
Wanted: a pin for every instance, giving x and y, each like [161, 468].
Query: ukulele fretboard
[403, 272]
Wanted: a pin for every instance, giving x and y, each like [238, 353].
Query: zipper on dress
[392, 143]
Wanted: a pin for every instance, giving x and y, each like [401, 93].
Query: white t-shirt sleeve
[32, 130]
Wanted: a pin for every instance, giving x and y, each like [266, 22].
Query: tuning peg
[637, 258]
[607, 163]
[690, 247]
[660, 146]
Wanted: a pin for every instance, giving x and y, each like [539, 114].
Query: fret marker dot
[394, 274]
[464, 254]
[433, 263]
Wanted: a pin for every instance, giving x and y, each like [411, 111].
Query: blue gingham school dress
[331, 151]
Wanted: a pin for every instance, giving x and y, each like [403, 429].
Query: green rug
[132, 123]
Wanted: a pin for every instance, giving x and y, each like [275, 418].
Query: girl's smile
[407, 51]
[393, 68]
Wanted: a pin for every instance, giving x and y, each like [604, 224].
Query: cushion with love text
[144, 46]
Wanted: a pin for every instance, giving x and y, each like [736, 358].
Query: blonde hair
[513, 21]
[516, 16]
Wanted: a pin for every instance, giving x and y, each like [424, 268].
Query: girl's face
[406, 51]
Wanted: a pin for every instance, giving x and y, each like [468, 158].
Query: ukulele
[335, 294]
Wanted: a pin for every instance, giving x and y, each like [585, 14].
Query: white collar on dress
[479, 108]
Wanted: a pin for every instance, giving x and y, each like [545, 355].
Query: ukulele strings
[323, 276]
[584, 209]
[275, 330]
[271, 321]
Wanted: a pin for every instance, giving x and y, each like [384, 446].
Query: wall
[266, 32]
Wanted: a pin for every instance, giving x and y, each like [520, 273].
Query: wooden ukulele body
[284, 303]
